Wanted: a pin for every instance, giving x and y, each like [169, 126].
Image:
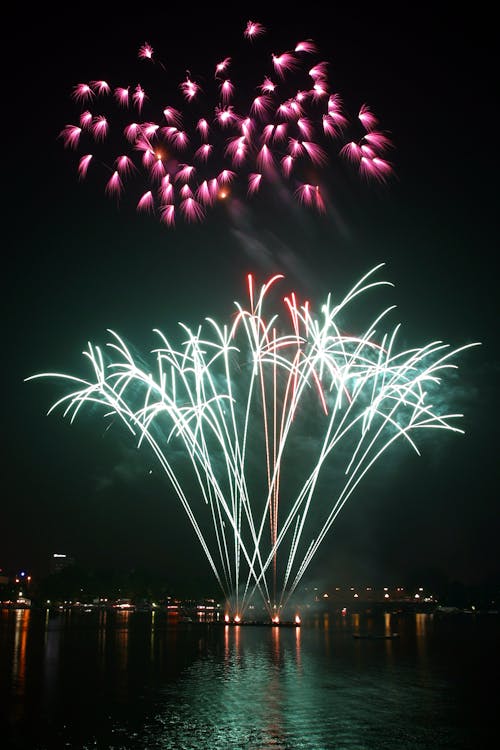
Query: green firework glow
[261, 411]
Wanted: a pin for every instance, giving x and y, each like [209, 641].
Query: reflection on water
[51, 658]
[19, 656]
[132, 681]
[237, 701]
[420, 624]
[101, 637]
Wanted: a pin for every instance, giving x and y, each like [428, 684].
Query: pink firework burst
[284, 62]
[177, 147]
[253, 29]
[71, 135]
[307, 46]
[310, 195]
[83, 165]
[82, 92]
[145, 52]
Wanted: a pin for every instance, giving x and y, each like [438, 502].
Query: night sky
[78, 264]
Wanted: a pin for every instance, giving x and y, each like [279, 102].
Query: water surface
[137, 681]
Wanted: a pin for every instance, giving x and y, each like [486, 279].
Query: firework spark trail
[211, 397]
[178, 161]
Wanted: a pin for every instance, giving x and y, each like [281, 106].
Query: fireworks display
[266, 425]
[184, 144]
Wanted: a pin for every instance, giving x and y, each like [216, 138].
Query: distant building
[60, 561]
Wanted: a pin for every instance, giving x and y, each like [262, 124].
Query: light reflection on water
[19, 656]
[137, 681]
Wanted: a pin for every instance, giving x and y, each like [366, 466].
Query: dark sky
[77, 264]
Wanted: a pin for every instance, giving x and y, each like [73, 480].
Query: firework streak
[265, 427]
[187, 143]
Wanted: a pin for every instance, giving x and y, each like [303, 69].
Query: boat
[376, 636]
